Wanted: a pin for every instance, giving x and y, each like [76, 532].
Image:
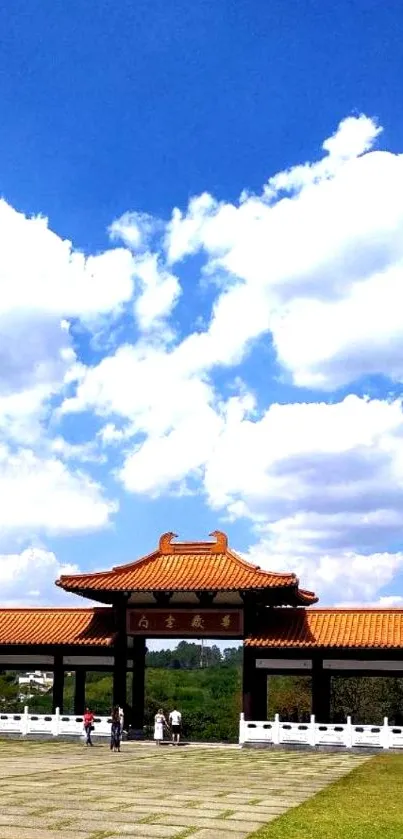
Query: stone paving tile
[206, 833]
[15, 819]
[211, 806]
[40, 833]
[194, 812]
[35, 803]
[216, 824]
[251, 815]
[143, 835]
[277, 804]
[197, 812]
[122, 817]
[144, 801]
[150, 830]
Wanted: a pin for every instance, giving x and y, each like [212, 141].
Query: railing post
[242, 729]
[276, 730]
[385, 733]
[56, 722]
[312, 731]
[25, 722]
[349, 734]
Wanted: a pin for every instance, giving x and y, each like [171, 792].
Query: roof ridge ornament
[220, 546]
[165, 543]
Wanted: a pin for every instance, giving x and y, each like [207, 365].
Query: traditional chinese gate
[186, 590]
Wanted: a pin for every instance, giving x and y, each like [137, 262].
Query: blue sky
[201, 288]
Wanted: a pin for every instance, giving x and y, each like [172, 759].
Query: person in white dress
[159, 722]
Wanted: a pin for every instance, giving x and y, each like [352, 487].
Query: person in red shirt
[88, 725]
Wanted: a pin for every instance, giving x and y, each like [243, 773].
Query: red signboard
[197, 623]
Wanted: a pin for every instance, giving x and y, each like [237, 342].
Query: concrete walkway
[67, 791]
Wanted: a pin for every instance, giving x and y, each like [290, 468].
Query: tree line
[191, 656]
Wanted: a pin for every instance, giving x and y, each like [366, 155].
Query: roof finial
[165, 543]
[221, 543]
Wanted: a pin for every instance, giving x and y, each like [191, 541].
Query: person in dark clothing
[116, 730]
[88, 725]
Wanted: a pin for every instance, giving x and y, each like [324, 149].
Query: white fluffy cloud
[345, 577]
[159, 292]
[44, 283]
[316, 260]
[324, 487]
[27, 579]
[135, 229]
[161, 393]
[304, 455]
[157, 289]
[167, 404]
[40, 272]
[42, 494]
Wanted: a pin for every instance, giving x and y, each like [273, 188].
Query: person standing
[116, 730]
[88, 722]
[175, 721]
[159, 722]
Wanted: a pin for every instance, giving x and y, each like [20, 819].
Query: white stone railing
[347, 735]
[58, 724]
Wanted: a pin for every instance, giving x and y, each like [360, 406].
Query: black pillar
[79, 691]
[138, 684]
[247, 679]
[120, 663]
[254, 687]
[259, 695]
[320, 691]
[58, 683]
[119, 678]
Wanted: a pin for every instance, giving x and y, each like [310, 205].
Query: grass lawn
[366, 804]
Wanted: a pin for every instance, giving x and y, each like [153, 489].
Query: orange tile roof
[340, 628]
[286, 628]
[92, 627]
[186, 566]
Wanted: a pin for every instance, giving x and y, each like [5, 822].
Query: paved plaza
[54, 790]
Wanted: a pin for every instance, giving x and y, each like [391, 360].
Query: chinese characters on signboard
[210, 623]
